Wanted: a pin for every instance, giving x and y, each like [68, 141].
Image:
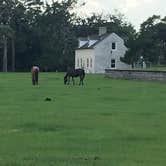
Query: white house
[97, 53]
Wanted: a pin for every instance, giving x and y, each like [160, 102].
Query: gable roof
[92, 41]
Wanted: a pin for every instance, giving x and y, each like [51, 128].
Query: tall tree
[6, 15]
[148, 42]
[6, 32]
[58, 41]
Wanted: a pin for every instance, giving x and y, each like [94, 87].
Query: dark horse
[74, 73]
[35, 73]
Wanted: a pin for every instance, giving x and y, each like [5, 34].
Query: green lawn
[103, 123]
[158, 68]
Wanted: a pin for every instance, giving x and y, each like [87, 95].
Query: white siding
[101, 55]
[85, 54]
[104, 53]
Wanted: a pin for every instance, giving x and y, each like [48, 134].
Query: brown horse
[74, 73]
[35, 73]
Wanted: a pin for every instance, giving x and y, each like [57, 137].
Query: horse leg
[36, 77]
[73, 81]
[68, 80]
[33, 78]
[81, 80]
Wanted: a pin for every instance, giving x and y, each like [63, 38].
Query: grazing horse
[35, 73]
[74, 73]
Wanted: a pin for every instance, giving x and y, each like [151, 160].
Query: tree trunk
[5, 54]
[13, 55]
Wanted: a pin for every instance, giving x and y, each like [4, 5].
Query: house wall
[104, 54]
[84, 55]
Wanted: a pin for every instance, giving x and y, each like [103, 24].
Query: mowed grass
[157, 68]
[103, 123]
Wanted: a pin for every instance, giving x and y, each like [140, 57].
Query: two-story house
[97, 53]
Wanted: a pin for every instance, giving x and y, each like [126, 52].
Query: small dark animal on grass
[71, 73]
[47, 99]
[35, 74]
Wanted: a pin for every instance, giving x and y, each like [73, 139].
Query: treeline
[34, 33]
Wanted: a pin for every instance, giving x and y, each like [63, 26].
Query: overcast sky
[136, 11]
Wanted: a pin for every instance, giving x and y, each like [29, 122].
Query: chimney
[102, 30]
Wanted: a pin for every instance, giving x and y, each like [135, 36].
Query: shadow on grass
[58, 160]
[131, 138]
[106, 114]
[34, 126]
[114, 99]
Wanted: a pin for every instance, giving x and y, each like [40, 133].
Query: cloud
[136, 11]
[91, 6]
[127, 5]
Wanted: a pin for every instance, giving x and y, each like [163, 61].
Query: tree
[148, 42]
[6, 15]
[58, 41]
[6, 32]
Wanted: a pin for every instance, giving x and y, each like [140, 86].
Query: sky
[135, 11]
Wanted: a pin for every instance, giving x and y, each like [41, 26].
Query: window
[113, 46]
[112, 63]
[81, 62]
[78, 63]
[90, 62]
[87, 62]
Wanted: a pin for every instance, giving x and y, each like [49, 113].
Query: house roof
[92, 41]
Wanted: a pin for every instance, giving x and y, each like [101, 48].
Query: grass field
[103, 123]
[158, 68]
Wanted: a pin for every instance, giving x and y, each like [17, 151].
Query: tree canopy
[37, 33]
